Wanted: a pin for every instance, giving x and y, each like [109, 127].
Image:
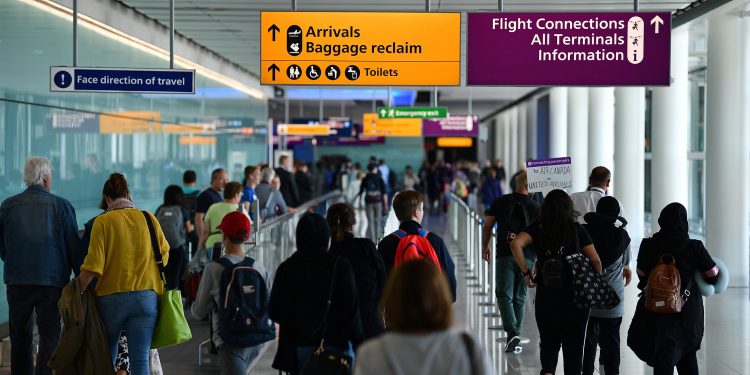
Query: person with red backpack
[667, 332]
[411, 241]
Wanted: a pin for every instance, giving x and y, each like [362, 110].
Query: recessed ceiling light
[38, 52]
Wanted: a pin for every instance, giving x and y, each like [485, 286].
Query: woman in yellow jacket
[121, 257]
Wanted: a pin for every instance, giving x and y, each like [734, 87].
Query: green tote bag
[171, 326]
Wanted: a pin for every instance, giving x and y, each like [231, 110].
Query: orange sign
[129, 122]
[197, 140]
[376, 127]
[303, 130]
[455, 142]
[360, 48]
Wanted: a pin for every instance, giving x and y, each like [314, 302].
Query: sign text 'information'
[360, 48]
[569, 49]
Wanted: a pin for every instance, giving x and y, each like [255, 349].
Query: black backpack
[190, 202]
[514, 223]
[243, 310]
[372, 189]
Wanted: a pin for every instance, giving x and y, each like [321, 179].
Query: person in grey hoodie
[612, 243]
[419, 339]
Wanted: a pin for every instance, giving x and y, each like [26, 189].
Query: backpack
[414, 246]
[372, 189]
[172, 224]
[663, 289]
[190, 202]
[553, 270]
[243, 305]
[511, 226]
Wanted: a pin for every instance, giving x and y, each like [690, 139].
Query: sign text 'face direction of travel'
[151, 81]
[569, 49]
[412, 112]
[360, 48]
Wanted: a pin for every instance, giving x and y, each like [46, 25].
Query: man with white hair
[40, 246]
[270, 201]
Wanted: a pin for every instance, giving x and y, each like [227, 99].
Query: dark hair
[232, 189]
[189, 177]
[115, 187]
[599, 176]
[557, 219]
[250, 169]
[173, 196]
[405, 203]
[340, 218]
[216, 173]
[417, 298]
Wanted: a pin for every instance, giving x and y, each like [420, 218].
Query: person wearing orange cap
[228, 281]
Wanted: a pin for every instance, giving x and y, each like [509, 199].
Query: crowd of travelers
[361, 293]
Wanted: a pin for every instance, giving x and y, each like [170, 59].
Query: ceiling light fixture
[131, 41]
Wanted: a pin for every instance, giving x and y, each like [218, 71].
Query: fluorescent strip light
[133, 42]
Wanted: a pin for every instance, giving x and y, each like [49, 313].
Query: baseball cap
[235, 225]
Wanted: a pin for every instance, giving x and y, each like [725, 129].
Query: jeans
[23, 300]
[604, 332]
[560, 323]
[688, 365]
[511, 293]
[175, 269]
[235, 361]
[374, 220]
[136, 313]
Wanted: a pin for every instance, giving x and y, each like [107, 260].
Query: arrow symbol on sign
[273, 69]
[273, 30]
[383, 112]
[656, 21]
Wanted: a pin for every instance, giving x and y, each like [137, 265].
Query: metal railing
[466, 229]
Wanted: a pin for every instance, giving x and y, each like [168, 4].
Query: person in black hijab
[300, 293]
[612, 243]
[664, 341]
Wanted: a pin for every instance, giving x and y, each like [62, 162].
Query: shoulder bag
[590, 290]
[171, 326]
[325, 361]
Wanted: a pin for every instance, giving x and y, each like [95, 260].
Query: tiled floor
[726, 346]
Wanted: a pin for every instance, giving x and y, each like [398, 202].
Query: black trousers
[604, 332]
[23, 300]
[688, 365]
[176, 266]
[560, 323]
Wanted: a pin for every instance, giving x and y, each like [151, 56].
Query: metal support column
[75, 33]
[171, 34]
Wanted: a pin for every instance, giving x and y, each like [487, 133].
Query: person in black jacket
[664, 341]
[409, 209]
[288, 186]
[302, 178]
[369, 270]
[300, 293]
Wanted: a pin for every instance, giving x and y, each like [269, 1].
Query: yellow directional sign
[360, 48]
[303, 130]
[403, 127]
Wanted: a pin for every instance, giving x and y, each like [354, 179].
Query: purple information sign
[452, 126]
[547, 162]
[569, 49]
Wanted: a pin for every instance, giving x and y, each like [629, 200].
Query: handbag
[590, 290]
[171, 326]
[325, 361]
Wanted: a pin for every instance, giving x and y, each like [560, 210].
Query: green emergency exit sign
[412, 112]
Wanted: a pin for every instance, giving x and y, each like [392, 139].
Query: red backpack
[414, 246]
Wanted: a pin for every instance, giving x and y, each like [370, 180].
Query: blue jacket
[39, 241]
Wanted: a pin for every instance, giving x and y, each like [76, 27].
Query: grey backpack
[172, 224]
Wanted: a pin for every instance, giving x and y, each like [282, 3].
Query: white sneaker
[524, 340]
[512, 344]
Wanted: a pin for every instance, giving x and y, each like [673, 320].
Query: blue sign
[152, 81]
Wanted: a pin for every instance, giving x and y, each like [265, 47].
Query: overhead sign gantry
[360, 48]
